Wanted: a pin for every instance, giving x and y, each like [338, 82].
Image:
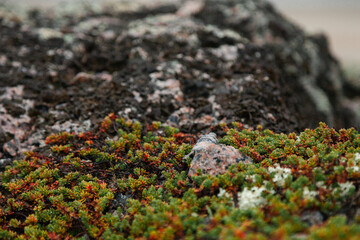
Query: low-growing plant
[128, 181]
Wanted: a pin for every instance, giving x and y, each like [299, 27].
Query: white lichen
[250, 178]
[309, 195]
[280, 174]
[353, 169]
[320, 184]
[352, 164]
[345, 188]
[357, 157]
[223, 193]
[250, 198]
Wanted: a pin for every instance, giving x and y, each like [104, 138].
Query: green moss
[127, 181]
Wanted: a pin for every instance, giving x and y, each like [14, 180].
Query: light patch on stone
[17, 126]
[69, 126]
[226, 52]
[49, 33]
[190, 7]
[155, 26]
[216, 108]
[225, 33]
[139, 52]
[137, 96]
[168, 87]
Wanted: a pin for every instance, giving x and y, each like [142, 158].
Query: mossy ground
[128, 181]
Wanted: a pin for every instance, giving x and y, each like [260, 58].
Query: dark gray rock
[307, 65]
[312, 217]
[4, 162]
[192, 64]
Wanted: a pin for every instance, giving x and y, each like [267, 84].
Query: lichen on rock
[220, 61]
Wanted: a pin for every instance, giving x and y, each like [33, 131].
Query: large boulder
[191, 64]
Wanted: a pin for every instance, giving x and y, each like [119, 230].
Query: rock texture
[213, 158]
[190, 63]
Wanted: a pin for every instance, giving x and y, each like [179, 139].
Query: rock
[83, 77]
[312, 217]
[190, 63]
[4, 136]
[48, 33]
[12, 108]
[4, 162]
[185, 118]
[213, 158]
[14, 122]
[120, 200]
[308, 68]
[208, 138]
[11, 147]
[69, 126]
[190, 7]
[3, 60]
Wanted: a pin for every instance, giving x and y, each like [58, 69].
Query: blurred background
[338, 19]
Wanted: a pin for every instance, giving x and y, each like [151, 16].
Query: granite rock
[213, 158]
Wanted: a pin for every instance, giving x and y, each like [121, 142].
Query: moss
[129, 181]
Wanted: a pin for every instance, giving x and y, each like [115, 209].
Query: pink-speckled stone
[213, 158]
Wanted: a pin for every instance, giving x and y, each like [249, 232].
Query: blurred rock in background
[191, 64]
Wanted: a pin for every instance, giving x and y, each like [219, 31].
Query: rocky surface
[191, 64]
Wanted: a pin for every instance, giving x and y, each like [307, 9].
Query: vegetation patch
[128, 181]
